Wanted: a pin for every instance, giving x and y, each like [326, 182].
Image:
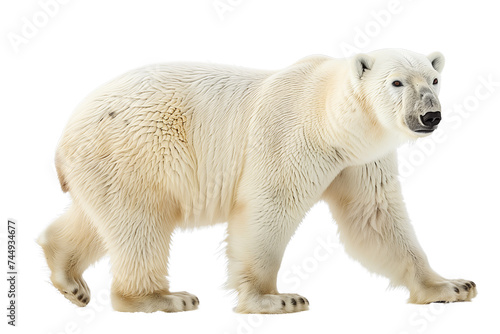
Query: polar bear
[181, 145]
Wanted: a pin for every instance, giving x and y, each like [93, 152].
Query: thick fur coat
[182, 145]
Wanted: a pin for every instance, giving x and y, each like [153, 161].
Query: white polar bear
[181, 145]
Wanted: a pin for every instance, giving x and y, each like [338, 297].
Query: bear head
[401, 87]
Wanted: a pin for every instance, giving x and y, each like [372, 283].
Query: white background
[450, 180]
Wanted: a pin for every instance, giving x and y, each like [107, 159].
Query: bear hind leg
[139, 250]
[71, 244]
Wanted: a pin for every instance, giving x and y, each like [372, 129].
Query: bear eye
[397, 83]
[435, 81]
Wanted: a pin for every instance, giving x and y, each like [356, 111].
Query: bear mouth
[424, 131]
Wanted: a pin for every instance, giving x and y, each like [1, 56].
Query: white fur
[181, 145]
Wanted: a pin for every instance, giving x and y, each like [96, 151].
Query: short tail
[60, 174]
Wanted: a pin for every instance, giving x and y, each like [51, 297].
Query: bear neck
[352, 125]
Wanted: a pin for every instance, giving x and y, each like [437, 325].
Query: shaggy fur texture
[181, 145]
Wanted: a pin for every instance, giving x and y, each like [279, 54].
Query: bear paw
[158, 301]
[270, 303]
[445, 292]
[180, 301]
[75, 289]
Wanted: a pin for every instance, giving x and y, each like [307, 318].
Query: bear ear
[362, 63]
[437, 61]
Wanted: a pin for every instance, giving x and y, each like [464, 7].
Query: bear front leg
[257, 238]
[373, 224]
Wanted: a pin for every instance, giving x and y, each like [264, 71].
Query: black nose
[431, 118]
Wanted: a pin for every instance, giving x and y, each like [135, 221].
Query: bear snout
[431, 119]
